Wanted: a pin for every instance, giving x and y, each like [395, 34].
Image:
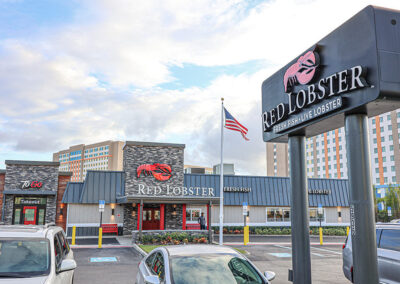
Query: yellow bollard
[321, 238]
[73, 235]
[100, 236]
[246, 235]
[347, 231]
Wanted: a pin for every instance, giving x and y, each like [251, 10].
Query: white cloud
[96, 78]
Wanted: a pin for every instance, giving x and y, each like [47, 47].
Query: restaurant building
[31, 193]
[153, 193]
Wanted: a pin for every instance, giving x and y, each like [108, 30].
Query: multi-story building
[78, 159]
[326, 153]
[189, 169]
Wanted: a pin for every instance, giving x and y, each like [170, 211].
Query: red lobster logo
[161, 172]
[302, 71]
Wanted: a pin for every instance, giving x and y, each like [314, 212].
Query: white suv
[35, 254]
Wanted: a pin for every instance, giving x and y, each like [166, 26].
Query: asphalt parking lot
[326, 262]
[122, 269]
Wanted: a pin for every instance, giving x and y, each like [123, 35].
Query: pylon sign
[353, 68]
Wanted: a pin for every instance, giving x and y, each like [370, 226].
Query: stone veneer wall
[16, 173]
[2, 177]
[130, 222]
[134, 156]
[173, 221]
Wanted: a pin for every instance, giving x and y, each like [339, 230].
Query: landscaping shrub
[265, 230]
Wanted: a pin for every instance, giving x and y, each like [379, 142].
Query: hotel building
[326, 153]
[78, 159]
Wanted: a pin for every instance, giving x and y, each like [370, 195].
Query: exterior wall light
[112, 212]
[133, 204]
[61, 212]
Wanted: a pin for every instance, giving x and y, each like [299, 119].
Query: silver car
[190, 264]
[388, 244]
[35, 254]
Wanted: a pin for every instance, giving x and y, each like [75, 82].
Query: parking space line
[313, 253]
[327, 250]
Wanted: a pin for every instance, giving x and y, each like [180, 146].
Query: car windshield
[213, 268]
[24, 257]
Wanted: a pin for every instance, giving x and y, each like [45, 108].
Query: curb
[271, 244]
[96, 246]
[139, 250]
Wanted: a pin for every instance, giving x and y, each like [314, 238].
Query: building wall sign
[26, 184]
[237, 189]
[174, 191]
[354, 69]
[319, 191]
[161, 172]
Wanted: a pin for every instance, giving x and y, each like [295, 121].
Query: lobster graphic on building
[302, 71]
[161, 172]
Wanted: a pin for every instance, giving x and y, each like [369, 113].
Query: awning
[166, 199]
[30, 192]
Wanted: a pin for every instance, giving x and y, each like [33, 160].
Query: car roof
[25, 231]
[395, 226]
[199, 249]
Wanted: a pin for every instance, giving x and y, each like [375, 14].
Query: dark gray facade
[18, 172]
[139, 153]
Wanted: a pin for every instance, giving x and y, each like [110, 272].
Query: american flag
[232, 124]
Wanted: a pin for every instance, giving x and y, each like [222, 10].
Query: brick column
[162, 211]
[184, 217]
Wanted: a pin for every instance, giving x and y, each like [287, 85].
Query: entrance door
[151, 218]
[29, 215]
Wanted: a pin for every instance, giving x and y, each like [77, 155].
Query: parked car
[189, 264]
[396, 221]
[35, 254]
[388, 245]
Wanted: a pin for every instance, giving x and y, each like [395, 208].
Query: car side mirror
[67, 265]
[269, 275]
[151, 279]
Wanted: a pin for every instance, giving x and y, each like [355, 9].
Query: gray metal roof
[271, 191]
[153, 144]
[31, 163]
[73, 192]
[265, 191]
[103, 185]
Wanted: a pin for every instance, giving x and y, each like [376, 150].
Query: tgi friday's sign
[167, 190]
[27, 184]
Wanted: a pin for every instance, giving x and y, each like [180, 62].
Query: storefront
[153, 193]
[31, 192]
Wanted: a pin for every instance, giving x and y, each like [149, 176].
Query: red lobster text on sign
[302, 71]
[161, 172]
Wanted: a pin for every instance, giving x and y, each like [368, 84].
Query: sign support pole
[362, 218]
[301, 260]
[221, 179]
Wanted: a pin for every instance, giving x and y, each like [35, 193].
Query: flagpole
[221, 179]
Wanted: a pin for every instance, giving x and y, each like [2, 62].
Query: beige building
[190, 169]
[78, 159]
[277, 159]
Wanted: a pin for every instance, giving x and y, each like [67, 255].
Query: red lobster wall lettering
[161, 172]
[302, 71]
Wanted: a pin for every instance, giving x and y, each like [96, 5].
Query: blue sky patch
[191, 75]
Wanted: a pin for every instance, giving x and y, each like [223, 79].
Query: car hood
[32, 280]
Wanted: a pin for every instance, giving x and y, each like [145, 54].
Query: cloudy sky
[75, 72]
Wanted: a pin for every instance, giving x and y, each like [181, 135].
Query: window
[375, 150]
[192, 215]
[391, 147]
[314, 214]
[58, 252]
[384, 159]
[390, 127]
[390, 137]
[382, 139]
[374, 130]
[390, 239]
[376, 160]
[385, 180]
[278, 215]
[377, 180]
[388, 117]
[393, 168]
[373, 121]
[394, 179]
[383, 149]
[158, 266]
[375, 140]
[63, 242]
[381, 119]
[392, 158]
[384, 169]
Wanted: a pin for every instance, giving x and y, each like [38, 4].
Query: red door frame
[151, 224]
[30, 222]
[162, 209]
